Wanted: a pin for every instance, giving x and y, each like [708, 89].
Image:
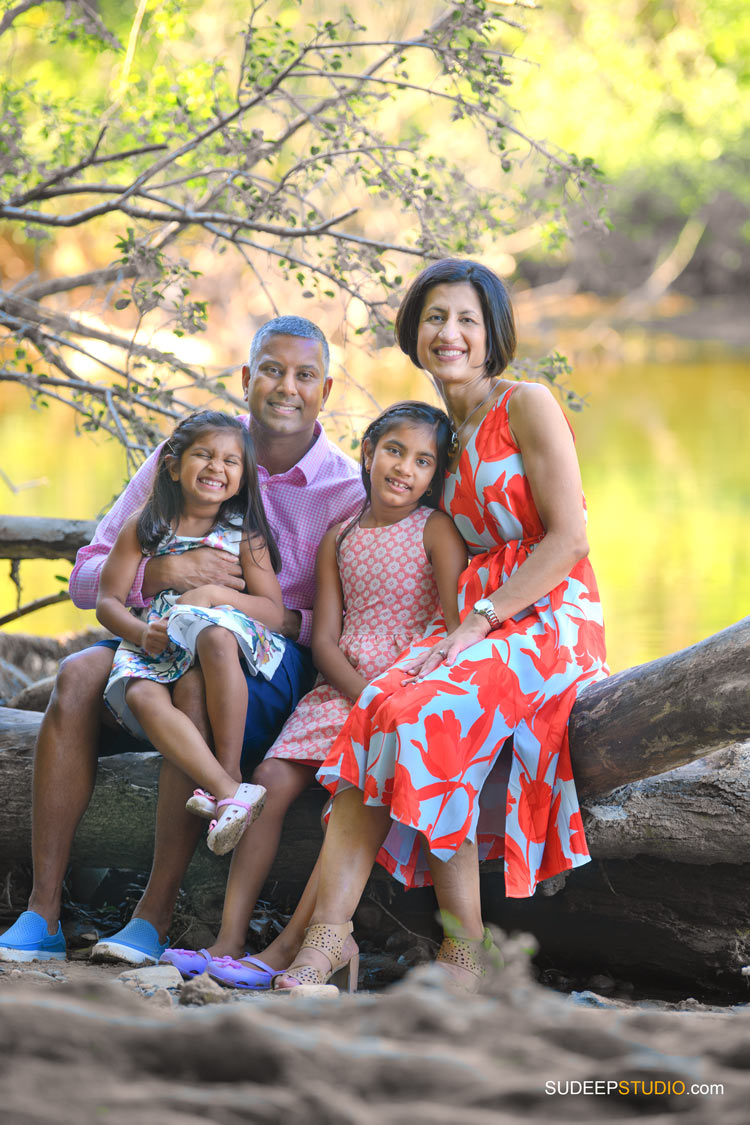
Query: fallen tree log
[657, 716]
[33, 537]
[636, 724]
[689, 828]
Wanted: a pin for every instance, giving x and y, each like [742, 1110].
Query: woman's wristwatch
[485, 608]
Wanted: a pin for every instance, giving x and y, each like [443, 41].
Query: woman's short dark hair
[497, 310]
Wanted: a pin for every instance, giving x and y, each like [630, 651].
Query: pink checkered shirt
[319, 491]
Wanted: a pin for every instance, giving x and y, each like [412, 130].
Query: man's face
[287, 388]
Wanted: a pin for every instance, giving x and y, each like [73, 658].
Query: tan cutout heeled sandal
[468, 955]
[328, 940]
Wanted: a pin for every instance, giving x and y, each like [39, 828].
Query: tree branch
[39, 192]
[65, 284]
[31, 607]
[13, 13]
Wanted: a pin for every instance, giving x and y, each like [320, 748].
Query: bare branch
[39, 191]
[65, 284]
[13, 13]
[31, 607]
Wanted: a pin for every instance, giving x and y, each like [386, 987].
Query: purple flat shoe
[188, 962]
[250, 973]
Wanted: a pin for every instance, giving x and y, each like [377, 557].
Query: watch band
[484, 608]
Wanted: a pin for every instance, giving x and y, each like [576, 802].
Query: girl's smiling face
[401, 467]
[210, 470]
[452, 340]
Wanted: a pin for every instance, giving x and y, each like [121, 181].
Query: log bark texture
[32, 537]
[657, 716]
[668, 885]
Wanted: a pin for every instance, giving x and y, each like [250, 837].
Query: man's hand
[291, 625]
[155, 639]
[202, 566]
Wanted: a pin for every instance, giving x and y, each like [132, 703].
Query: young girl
[381, 580]
[205, 494]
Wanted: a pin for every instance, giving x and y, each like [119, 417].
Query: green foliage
[317, 150]
[658, 90]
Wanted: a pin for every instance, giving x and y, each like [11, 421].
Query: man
[307, 486]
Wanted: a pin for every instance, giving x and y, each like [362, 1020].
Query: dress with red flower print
[432, 750]
[390, 597]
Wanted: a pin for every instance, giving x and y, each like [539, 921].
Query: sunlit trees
[325, 152]
[660, 93]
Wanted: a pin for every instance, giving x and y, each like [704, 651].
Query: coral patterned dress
[432, 750]
[390, 598]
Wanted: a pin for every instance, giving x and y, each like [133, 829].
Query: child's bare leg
[226, 695]
[284, 948]
[254, 855]
[177, 738]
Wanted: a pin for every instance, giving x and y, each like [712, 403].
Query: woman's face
[451, 339]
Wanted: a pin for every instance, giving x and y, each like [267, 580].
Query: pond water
[663, 451]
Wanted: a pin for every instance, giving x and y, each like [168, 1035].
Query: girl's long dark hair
[164, 506]
[417, 414]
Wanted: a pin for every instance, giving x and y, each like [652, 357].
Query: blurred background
[637, 273]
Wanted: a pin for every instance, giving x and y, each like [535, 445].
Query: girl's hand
[155, 639]
[205, 596]
[473, 629]
[191, 569]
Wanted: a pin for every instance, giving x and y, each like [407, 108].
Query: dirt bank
[88, 1048]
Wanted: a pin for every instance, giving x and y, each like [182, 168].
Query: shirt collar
[308, 467]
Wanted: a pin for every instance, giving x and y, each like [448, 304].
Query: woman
[424, 741]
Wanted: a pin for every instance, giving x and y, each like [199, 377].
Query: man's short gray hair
[288, 326]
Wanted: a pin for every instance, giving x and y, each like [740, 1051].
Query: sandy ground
[80, 1044]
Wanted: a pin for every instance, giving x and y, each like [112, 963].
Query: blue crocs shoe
[28, 940]
[136, 944]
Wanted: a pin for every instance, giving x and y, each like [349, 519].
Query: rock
[35, 976]
[203, 990]
[152, 976]
[12, 681]
[35, 697]
[306, 991]
[602, 984]
[162, 998]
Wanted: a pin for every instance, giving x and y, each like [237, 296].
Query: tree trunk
[657, 716]
[677, 842]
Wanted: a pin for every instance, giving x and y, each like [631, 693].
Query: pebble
[162, 998]
[33, 975]
[203, 990]
[602, 984]
[151, 977]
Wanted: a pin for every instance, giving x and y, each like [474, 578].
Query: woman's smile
[452, 341]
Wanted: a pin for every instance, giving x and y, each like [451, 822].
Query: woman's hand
[473, 629]
[155, 639]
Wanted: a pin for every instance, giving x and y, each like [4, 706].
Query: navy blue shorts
[269, 705]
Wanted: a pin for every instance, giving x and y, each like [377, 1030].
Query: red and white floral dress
[432, 750]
